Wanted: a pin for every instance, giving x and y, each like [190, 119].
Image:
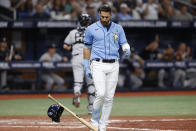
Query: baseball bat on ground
[73, 114]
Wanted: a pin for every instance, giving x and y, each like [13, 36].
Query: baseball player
[75, 40]
[102, 42]
[49, 76]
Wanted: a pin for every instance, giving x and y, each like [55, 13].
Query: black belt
[75, 54]
[106, 60]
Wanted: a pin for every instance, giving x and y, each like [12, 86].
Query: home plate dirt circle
[27, 123]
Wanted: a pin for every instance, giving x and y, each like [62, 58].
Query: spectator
[168, 10]
[124, 15]
[49, 76]
[190, 78]
[5, 56]
[90, 11]
[138, 10]
[182, 54]
[102, 2]
[135, 11]
[193, 10]
[151, 10]
[183, 14]
[25, 10]
[82, 6]
[135, 64]
[57, 10]
[150, 52]
[117, 4]
[165, 73]
[75, 6]
[16, 4]
[40, 13]
[48, 5]
[67, 6]
[72, 16]
[5, 3]
[97, 5]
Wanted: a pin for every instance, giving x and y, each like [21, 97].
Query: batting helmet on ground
[54, 112]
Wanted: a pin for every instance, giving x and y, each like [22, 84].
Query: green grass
[123, 106]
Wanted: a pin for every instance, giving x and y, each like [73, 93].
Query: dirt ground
[35, 123]
[116, 124]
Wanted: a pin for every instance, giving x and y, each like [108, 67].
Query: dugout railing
[38, 67]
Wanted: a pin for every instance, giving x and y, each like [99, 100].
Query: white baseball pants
[105, 77]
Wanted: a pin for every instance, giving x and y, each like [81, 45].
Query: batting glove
[86, 69]
[127, 53]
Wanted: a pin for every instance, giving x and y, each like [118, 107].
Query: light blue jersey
[104, 43]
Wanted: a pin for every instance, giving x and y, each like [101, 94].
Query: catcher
[75, 41]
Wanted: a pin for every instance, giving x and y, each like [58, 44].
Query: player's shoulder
[92, 26]
[44, 55]
[57, 55]
[116, 25]
[73, 31]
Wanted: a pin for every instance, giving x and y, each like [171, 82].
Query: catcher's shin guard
[91, 97]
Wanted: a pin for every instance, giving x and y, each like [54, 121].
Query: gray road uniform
[76, 39]
[136, 79]
[180, 74]
[48, 75]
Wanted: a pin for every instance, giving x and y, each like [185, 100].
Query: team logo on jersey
[115, 36]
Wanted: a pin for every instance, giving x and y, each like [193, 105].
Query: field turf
[123, 106]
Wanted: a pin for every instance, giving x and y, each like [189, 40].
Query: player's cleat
[76, 100]
[95, 124]
[102, 129]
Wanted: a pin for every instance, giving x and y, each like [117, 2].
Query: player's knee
[50, 81]
[78, 84]
[162, 72]
[140, 82]
[100, 95]
[108, 100]
[61, 81]
[91, 89]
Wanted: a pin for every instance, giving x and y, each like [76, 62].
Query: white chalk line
[138, 129]
[79, 127]
[16, 123]
[61, 127]
[24, 121]
[160, 120]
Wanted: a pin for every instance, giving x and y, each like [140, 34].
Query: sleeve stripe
[87, 44]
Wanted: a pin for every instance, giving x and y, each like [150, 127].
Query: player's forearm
[66, 47]
[87, 52]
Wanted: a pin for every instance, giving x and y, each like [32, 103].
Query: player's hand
[65, 59]
[86, 69]
[66, 47]
[127, 53]
[88, 73]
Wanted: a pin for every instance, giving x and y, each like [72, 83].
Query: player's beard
[105, 23]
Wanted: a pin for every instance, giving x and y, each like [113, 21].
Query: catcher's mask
[84, 20]
[54, 112]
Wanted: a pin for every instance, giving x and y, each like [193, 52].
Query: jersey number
[79, 37]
